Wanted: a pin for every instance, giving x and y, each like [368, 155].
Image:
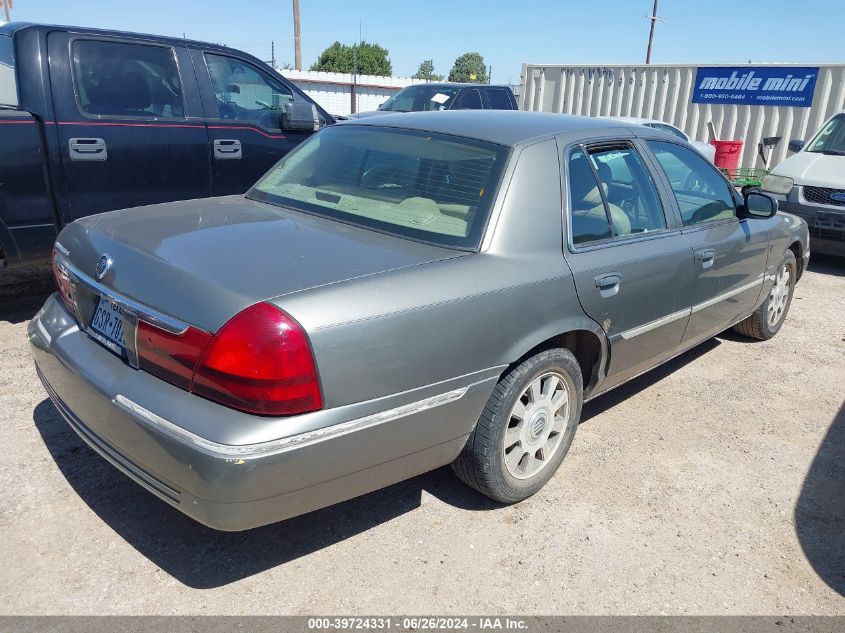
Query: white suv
[812, 185]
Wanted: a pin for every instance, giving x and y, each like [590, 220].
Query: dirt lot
[713, 485]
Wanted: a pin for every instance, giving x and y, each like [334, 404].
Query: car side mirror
[795, 145]
[300, 116]
[759, 205]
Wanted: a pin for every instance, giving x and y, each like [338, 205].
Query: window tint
[245, 94]
[499, 99]
[627, 202]
[119, 79]
[469, 100]
[420, 185]
[702, 193]
[8, 88]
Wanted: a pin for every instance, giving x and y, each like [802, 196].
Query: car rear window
[8, 87]
[419, 185]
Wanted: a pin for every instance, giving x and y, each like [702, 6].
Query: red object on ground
[727, 153]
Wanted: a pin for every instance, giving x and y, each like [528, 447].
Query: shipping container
[666, 92]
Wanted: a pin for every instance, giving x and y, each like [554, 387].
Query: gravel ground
[712, 485]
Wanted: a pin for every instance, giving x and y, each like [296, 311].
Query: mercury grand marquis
[397, 294]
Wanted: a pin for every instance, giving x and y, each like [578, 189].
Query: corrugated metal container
[665, 93]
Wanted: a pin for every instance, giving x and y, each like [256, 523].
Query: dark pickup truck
[92, 121]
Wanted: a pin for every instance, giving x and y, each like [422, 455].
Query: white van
[817, 188]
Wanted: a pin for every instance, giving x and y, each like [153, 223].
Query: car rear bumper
[826, 223]
[149, 430]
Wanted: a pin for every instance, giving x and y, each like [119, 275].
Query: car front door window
[702, 193]
[245, 94]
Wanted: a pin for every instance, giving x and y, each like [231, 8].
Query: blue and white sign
[756, 85]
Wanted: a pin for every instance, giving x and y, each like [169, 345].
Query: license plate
[107, 325]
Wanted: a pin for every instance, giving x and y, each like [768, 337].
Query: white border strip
[250, 451]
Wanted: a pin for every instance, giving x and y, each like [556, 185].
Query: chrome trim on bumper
[250, 451]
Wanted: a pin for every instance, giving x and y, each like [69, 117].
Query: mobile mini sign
[756, 85]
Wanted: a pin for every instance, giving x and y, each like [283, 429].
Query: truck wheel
[767, 320]
[526, 428]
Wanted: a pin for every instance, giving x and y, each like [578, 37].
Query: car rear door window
[127, 80]
[499, 99]
[702, 193]
[8, 88]
[612, 194]
[245, 94]
[469, 100]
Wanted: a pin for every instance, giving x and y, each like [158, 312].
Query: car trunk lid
[203, 261]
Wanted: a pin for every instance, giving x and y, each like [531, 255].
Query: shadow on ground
[820, 511]
[203, 558]
[620, 394]
[826, 264]
[23, 291]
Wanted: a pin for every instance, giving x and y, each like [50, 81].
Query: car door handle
[87, 149]
[706, 257]
[227, 149]
[608, 284]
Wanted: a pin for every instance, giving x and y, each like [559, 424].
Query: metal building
[666, 92]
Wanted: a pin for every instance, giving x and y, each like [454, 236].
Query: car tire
[768, 318]
[526, 428]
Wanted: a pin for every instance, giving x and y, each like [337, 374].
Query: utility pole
[654, 20]
[7, 4]
[273, 54]
[297, 37]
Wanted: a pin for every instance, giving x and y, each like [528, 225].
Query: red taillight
[171, 357]
[64, 283]
[260, 361]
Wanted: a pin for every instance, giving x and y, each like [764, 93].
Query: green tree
[469, 67]
[364, 58]
[426, 71]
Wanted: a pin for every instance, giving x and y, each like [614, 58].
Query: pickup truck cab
[94, 120]
[445, 96]
[812, 185]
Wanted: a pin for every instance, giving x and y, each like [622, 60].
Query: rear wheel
[526, 428]
[767, 319]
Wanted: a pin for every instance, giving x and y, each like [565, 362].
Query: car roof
[10, 28]
[504, 127]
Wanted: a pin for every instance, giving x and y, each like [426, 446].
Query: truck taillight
[64, 282]
[171, 357]
[260, 362]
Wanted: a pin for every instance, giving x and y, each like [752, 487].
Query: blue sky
[506, 33]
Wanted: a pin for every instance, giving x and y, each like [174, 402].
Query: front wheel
[767, 319]
[526, 428]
